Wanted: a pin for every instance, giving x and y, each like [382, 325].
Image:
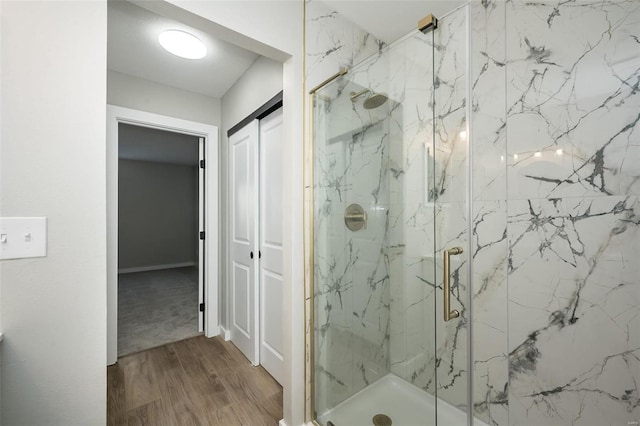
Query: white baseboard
[156, 267]
[226, 335]
[282, 423]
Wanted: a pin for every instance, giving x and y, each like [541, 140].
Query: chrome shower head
[374, 100]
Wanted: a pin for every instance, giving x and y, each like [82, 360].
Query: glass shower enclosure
[390, 235]
[474, 233]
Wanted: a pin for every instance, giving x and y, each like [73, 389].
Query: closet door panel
[270, 269]
[243, 240]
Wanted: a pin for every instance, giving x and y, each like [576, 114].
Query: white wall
[53, 309]
[157, 214]
[132, 92]
[278, 24]
[261, 82]
[1, 37]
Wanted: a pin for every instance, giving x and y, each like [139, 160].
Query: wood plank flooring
[198, 381]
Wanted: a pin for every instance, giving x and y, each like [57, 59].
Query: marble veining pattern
[489, 212]
[573, 76]
[573, 106]
[333, 42]
[573, 274]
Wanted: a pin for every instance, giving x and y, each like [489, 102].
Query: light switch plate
[22, 237]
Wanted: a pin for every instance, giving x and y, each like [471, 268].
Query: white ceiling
[388, 20]
[159, 146]
[133, 49]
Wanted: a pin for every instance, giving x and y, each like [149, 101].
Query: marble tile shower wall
[555, 212]
[333, 42]
[489, 246]
[573, 265]
[554, 162]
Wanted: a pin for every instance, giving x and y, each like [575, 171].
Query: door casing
[115, 116]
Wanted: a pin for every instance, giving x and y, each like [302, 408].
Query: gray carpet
[156, 308]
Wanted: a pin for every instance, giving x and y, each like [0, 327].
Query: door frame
[115, 116]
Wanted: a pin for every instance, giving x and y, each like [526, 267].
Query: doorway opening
[140, 124]
[160, 284]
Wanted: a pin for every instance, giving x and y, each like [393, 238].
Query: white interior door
[201, 253]
[243, 147]
[270, 263]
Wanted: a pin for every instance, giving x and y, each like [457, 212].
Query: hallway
[198, 381]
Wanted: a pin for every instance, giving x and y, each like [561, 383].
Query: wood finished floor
[198, 381]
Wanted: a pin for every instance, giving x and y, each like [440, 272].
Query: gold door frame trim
[309, 267]
[341, 72]
[308, 235]
[305, 116]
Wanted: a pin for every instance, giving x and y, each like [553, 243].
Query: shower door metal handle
[448, 313]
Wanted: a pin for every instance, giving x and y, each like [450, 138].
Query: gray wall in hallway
[157, 214]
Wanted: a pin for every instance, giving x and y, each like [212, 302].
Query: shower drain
[381, 420]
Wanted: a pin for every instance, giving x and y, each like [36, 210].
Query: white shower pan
[404, 403]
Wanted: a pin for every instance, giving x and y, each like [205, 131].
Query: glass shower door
[452, 247]
[352, 269]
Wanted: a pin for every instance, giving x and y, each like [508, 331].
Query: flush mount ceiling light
[182, 44]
